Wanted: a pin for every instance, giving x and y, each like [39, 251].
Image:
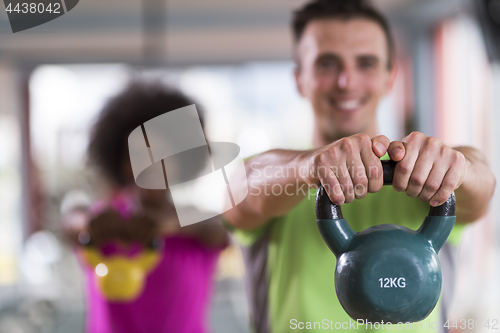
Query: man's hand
[427, 168]
[348, 168]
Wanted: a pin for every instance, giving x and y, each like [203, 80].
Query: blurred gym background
[234, 57]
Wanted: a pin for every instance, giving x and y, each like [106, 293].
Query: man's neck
[322, 139]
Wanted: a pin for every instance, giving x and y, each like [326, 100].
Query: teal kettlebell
[386, 272]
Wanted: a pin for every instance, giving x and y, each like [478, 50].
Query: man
[344, 55]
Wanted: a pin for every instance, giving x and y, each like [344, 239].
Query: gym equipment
[121, 277]
[386, 272]
[120, 245]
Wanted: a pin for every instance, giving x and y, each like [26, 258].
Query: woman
[144, 273]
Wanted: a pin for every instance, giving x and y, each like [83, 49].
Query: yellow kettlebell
[121, 278]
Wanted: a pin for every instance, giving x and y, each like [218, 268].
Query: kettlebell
[386, 272]
[122, 278]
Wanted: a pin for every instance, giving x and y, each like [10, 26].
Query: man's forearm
[275, 186]
[474, 195]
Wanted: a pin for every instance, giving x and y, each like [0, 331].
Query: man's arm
[476, 191]
[431, 171]
[279, 180]
[262, 176]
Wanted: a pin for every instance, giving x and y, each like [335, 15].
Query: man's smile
[347, 104]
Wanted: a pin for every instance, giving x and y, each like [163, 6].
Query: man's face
[343, 72]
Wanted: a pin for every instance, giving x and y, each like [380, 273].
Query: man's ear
[298, 82]
[393, 74]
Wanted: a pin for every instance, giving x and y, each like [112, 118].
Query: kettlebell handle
[326, 210]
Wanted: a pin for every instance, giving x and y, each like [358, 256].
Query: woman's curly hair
[139, 102]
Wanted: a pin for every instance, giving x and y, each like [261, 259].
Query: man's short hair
[344, 10]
